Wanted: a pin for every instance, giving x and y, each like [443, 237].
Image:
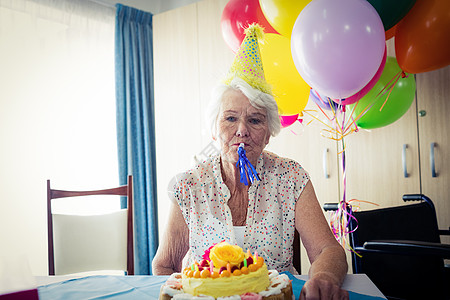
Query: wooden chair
[94, 242]
[297, 253]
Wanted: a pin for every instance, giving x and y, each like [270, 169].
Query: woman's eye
[255, 121]
[230, 118]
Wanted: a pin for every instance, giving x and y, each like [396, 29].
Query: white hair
[257, 99]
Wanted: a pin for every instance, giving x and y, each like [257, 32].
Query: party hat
[247, 63]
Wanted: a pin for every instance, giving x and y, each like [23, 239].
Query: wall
[153, 6]
[187, 43]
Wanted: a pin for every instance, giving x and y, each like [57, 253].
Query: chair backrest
[89, 243]
[297, 261]
[400, 276]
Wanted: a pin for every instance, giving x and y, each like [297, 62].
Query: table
[147, 287]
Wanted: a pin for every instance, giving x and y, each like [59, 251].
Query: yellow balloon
[290, 90]
[282, 14]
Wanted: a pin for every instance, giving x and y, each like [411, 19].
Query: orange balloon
[390, 32]
[422, 41]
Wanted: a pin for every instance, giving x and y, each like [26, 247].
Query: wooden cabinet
[385, 163]
[433, 108]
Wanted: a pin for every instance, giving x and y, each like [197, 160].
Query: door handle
[432, 165]
[325, 163]
[405, 170]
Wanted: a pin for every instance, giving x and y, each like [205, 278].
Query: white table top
[358, 283]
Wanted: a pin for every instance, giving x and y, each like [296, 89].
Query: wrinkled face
[240, 122]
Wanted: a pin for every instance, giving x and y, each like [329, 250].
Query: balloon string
[316, 118]
[300, 120]
[331, 130]
[246, 169]
[390, 83]
[392, 87]
[353, 121]
[388, 87]
[344, 215]
[321, 107]
[343, 222]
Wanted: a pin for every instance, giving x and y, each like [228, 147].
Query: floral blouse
[202, 196]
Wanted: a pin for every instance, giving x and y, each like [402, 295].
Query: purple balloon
[338, 46]
[367, 88]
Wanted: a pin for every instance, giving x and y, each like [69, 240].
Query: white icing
[270, 291]
[277, 283]
[203, 297]
[171, 290]
[235, 297]
[282, 279]
[183, 296]
[175, 277]
[273, 273]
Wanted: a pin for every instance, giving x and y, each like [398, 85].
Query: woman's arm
[174, 245]
[328, 260]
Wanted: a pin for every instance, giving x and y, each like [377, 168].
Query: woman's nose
[242, 129]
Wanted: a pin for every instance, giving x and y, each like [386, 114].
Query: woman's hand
[327, 257]
[322, 287]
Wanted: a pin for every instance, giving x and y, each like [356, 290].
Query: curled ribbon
[245, 167]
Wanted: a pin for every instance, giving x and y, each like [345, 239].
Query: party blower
[246, 169]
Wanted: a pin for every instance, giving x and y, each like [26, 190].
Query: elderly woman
[212, 204]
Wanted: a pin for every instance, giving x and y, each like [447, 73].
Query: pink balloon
[367, 88]
[288, 120]
[338, 46]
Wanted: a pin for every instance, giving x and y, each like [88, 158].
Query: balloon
[367, 88]
[288, 120]
[338, 46]
[398, 103]
[390, 32]
[290, 90]
[282, 14]
[391, 12]
[321, 100]
[236, 16]
[422, 37]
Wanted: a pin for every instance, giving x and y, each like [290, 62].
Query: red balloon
[288, 120]
[236, 16]
[422, 37]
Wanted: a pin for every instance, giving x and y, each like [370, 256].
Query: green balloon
[398, 103]
[392, 11]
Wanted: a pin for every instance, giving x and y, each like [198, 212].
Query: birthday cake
[226, 272]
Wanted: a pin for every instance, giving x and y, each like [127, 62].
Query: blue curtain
[135, 126]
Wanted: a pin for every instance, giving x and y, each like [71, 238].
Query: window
[57, 108]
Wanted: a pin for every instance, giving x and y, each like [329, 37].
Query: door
[433, 102]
